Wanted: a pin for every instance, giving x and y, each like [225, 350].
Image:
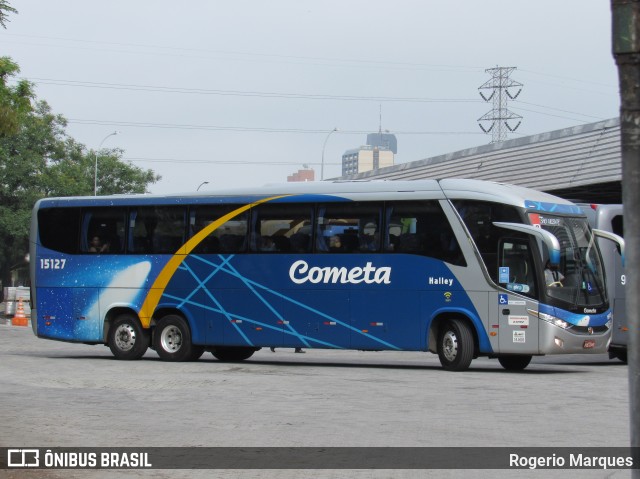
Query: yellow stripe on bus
[161, 282]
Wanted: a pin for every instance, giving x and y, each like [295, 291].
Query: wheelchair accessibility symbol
[503, 299]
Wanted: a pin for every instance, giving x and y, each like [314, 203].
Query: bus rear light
[376, 324]
[559, 342]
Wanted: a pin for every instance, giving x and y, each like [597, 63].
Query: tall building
[384, 141]
[366, 158]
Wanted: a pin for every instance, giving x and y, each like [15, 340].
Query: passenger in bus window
[335, 244]
[96, 245]
[267, 244]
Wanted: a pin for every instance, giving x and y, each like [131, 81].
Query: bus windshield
[578, 280]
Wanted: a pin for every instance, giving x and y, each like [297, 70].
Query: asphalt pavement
[56, 394]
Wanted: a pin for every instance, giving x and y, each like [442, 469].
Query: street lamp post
[95, 169]
[201, 185]
[323, 147]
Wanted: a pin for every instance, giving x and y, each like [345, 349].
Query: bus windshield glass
[578, 281]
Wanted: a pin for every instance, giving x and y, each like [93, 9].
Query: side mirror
[552, 243]
[612, 237]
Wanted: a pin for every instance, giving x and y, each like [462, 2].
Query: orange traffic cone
[20, 319]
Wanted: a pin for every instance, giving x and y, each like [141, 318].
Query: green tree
[15, 100]
[4, 9]
[72, 174]
[38, 159]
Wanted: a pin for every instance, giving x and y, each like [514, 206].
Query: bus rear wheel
[172, 340]
[455, 345]
[126, 338]
[231, 353]
[514, 363]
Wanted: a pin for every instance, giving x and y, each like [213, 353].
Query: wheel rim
[171, 339]
[125, 337]
[450, 346]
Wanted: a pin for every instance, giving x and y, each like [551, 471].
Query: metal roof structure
[581, 163]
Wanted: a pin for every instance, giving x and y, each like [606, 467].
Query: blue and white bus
[454, 267]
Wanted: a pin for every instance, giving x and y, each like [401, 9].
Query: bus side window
[348, 228]
[54, 220]
[421, 228]
[103, 230]
[156, 229]
[229, 237]
[281, 228]
[515, 254]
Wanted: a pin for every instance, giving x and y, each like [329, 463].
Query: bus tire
[514, 363]
[455, 345]
[172, 340]
[126, 338]
[231, 353]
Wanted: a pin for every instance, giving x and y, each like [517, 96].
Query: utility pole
[500, 116]
[626, 51]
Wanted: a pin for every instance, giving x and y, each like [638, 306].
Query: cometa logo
[300, 273]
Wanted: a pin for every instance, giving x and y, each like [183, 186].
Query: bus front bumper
[556, 340]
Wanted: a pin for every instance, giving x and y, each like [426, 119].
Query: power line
[251, 129]
[556, 109]
[261, 94]
[564, 117]
[577, 80]
[222, 162]
[180, 51]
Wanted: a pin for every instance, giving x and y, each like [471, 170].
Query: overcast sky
[244, 92]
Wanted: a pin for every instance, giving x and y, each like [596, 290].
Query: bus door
[517, 329]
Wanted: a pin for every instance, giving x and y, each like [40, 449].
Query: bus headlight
[555, 321]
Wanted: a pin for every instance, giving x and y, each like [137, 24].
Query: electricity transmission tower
[499, 117]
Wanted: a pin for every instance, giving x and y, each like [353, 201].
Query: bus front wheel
[514, 363]
[172, 340]
[455, 345]
[126, 338]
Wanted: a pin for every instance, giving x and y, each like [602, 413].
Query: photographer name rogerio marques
[570, 461]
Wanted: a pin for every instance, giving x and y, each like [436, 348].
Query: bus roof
[354, 190]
